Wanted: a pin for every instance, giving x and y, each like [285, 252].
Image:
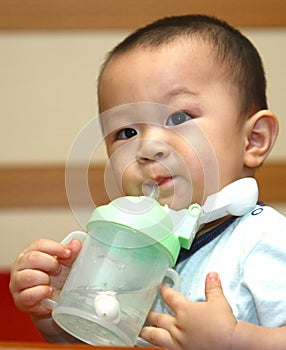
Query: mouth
[163, 180]
[154, 185]
[160, 182]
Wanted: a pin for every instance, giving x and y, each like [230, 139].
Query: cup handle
[49, 303]
[142, 343]
[175, 278]
[74, 235]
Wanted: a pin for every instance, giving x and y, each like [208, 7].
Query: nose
[152, 149]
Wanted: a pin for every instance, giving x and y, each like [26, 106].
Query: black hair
[242, 63]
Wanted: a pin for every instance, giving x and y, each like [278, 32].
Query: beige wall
[48, 93]
[48, 89]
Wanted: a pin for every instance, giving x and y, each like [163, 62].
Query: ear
[262, 130]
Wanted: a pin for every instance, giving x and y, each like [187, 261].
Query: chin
[175, 203]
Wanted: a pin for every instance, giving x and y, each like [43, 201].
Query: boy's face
[188, 154]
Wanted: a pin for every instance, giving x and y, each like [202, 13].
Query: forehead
[164, 74]
[152, 64]
[182, 48]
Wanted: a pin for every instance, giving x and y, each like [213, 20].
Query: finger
[29, 300]
[74, 246]
[161, 320]
[45, 255]
[49, 247]
[213, 287]
[38, 261]
[30, 278]
[158, 337]
[175, 300]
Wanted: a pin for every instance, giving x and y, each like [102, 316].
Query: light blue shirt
[250, 257]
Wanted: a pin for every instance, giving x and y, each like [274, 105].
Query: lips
[163, 180]
[158, 186]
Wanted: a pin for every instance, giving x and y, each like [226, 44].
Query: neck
[210, 225]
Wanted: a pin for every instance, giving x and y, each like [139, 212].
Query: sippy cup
[127, 252]
[130, 247]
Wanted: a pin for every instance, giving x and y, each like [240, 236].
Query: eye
[125, 134]
[178, 118]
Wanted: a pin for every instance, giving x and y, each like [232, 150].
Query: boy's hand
[40, 272]
[195, 326]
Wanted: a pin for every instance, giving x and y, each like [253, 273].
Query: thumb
[213, 288]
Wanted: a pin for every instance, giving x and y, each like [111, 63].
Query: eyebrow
[182, 90]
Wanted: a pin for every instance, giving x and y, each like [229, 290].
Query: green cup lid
[143, 214]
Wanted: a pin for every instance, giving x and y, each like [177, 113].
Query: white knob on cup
[107, 307]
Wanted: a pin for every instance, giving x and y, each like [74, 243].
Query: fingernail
[212, 276]
[67, 252]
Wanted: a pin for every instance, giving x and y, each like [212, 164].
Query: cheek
[121, 177]
[196, 177]
[129, 185]
[202, 172]
[121, 158]
[229, 151]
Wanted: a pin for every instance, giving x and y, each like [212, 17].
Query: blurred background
[50, 55]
